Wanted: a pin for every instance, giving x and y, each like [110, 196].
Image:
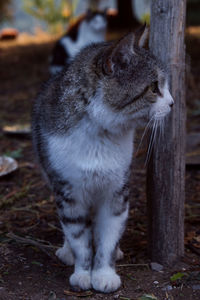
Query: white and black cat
[83, 130]
[90, 28]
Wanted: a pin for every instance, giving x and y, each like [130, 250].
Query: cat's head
[97, 20]
[134, 83]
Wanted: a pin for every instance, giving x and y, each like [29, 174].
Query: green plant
[146, 18]
[55, 13]
[177, 276]
[6, 10]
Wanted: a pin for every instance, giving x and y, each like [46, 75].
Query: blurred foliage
[56, 13]
[6, 11]
[146, 19]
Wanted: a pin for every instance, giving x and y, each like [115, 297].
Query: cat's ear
[141, 36]
[120, 54]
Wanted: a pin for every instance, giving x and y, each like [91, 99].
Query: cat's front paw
[105, 280]
[65, 255]
[81, 279]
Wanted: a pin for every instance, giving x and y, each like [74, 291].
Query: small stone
[156, 267]
[167, 288]
[196, 287]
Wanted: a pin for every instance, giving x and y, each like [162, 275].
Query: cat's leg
[65, 254]
[62, 190]
[77, 229]
[76, 225]
[109, 226]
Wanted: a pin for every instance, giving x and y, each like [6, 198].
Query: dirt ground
[29, 226]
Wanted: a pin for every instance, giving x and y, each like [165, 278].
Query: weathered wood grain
[166, 170]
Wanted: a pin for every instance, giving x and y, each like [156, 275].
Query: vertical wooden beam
[166, 170]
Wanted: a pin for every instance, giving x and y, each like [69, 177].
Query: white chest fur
[85, 151]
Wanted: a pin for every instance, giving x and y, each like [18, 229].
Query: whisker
[150, 143]
[156, 129]
[153, 137]
[160, 130]
[143, 135]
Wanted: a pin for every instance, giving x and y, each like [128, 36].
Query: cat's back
[62, 100]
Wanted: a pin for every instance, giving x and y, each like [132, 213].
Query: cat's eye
[154, 87]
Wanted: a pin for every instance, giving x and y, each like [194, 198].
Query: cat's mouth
[161, 108]
[161, 114]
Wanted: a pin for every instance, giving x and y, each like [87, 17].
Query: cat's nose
[171, 101]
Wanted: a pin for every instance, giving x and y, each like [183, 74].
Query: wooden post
[166, 170]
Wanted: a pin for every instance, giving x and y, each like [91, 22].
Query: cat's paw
[105, 280]
[65, 255]
[119, 254]
[81, 279]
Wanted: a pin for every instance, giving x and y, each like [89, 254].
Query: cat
[83, 126]
[88, 29]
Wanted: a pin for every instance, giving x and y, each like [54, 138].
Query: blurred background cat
[89, 28]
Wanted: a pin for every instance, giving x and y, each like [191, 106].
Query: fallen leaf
[177, 276]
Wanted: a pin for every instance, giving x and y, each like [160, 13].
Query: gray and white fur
[83, 130]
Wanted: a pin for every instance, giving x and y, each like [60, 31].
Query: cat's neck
[94, 134]
[104, 119]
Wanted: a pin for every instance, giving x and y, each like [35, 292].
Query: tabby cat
[83, 130]
[89, 28]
